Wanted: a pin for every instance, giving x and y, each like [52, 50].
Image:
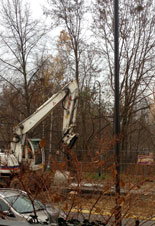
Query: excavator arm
[69, 98]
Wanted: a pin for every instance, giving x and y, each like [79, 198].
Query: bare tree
[20, 40]
[137, 45]
[70, 14]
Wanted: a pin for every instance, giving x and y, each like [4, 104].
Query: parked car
[16, 205]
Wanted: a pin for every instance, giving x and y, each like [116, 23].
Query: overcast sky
[37, 13]
[36, 7]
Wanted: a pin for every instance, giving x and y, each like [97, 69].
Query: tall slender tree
[20, 40]
[137, 45]
[70, 14]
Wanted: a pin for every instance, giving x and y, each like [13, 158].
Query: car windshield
[22, 204]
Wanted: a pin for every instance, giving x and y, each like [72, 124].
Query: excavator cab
[34, 154]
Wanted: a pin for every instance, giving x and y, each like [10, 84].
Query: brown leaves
[122, 183]
[64, 41]
[42, 142]
[66, 207]
[98, 210]
[121, 200]
[106, 188]
[56, 198]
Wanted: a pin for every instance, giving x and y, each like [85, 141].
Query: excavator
[30, 150]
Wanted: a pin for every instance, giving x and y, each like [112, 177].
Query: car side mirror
[8, 213]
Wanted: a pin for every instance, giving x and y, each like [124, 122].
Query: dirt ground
[139, 205]
[137, 199]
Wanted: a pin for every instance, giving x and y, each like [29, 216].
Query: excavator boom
[69, 98]
[69, 92]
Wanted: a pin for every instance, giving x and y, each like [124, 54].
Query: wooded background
[33, 67]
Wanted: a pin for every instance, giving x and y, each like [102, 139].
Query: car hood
[42, 216]
[49, 215]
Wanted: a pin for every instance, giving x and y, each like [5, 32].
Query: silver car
[16, 205]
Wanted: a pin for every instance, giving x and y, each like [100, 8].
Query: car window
[22, 204]
[3, 206]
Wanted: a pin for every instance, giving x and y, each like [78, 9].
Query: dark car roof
[7, 192]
